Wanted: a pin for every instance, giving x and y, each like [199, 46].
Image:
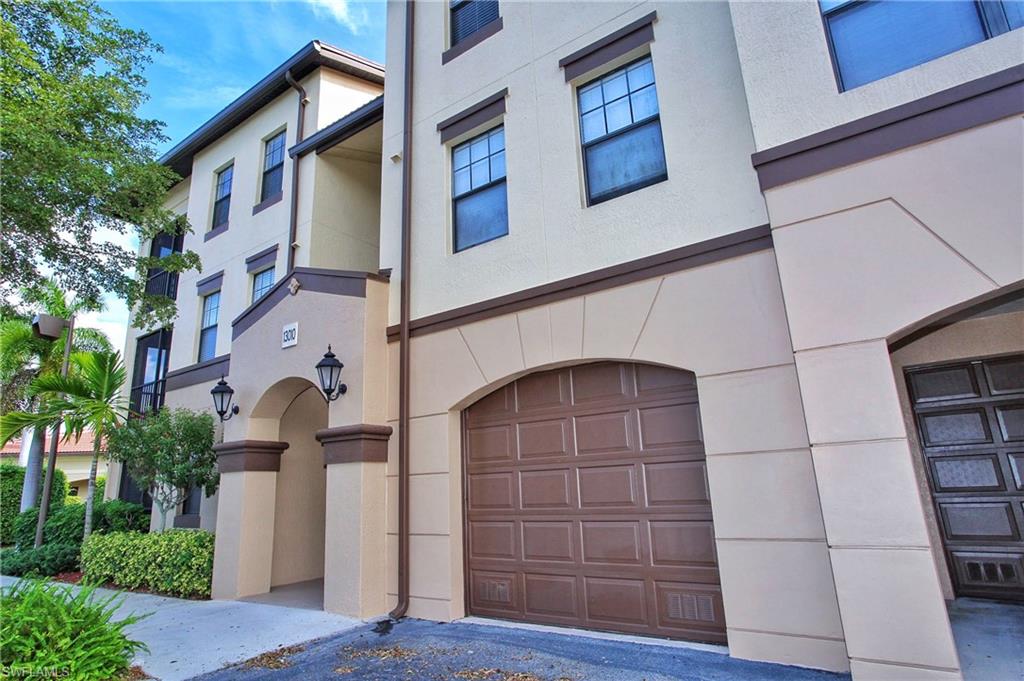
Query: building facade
[696, 320]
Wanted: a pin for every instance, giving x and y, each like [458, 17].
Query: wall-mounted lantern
[222, 394]
[328, 370]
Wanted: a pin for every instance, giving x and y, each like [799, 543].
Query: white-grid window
[262, 282]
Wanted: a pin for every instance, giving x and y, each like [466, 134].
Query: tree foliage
[78, 162]
[168, 452]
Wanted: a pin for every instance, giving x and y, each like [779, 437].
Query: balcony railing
[147, 397]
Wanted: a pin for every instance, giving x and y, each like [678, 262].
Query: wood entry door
[587, 503]
[970, 420]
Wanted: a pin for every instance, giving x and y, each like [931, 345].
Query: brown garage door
[587, 503]
[970, 419]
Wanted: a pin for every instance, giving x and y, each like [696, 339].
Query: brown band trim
[216, 231]
[208, 285]
[249, 455]
[959, 108]
[335, 282]
[348, 444]
[203, 372]
[631, 36]
[676, 260]
[478, 114]
[267, 202]
[481, 34]
[257, 261]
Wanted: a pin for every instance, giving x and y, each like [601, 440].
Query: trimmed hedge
[66, 525]
[12, 478]
[175, 562]
[50, 630]
[48, 559]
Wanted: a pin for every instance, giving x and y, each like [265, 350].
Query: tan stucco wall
[780, 604]
[711, 188]
[992, 335]
[789, 82]
[301, 493]
[865, 254]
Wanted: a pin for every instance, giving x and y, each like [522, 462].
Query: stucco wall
[792, 91]
[711, 188]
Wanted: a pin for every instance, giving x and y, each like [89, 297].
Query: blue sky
[213, 51]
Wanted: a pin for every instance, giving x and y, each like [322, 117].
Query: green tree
[24, 357]
[170, 452]
[89, 397]
[79, 163]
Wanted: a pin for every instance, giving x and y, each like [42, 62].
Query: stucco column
[244, 545]
[889, 594]
[354, 545]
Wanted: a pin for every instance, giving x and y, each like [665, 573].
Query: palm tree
[89, 397]
[24, 357]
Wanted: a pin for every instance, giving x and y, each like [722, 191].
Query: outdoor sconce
[222, 393]
[328, 370]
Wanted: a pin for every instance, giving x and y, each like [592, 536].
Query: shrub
[25, 528]
[175, 562]
[48, 627]
[47, 560]
[120, 516]
[12, 477]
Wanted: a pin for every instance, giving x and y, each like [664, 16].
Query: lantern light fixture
[328, 370]
[222, 394]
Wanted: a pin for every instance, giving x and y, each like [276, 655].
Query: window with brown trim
[273, 166]
[479, 198]
[469, 16]
[262, 282]
[222, 197]
[208, 327]
[620, 129]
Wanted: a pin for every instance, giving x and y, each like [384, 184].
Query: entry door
[587, 503]
[970, 419]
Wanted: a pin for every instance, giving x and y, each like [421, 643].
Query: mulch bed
[68, 577]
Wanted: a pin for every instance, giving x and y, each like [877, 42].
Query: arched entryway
[587, 503]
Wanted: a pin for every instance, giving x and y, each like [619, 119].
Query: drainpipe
[293, 216]
[403, 350]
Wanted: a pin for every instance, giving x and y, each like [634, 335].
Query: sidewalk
[188, 638]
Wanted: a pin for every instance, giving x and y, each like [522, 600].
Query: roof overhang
[340, 130]
[312, 56]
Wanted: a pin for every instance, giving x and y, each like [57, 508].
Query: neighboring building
[74, 457]
[715, 327]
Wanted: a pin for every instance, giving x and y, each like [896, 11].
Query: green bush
[50, 627]
[121, 516]
[12, 477]
[25, 528]
[47, 560]
[66, 525]
[175, 562]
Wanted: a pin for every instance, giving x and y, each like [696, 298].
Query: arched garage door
[587, 503]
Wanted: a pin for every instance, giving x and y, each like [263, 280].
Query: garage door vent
[992, 573]
[691, 607]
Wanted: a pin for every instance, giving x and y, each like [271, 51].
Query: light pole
[49, 327]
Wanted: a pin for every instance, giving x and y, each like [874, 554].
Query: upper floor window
[208, 327]
[620, 129]
[273, 166]
[469, 16]
[262, 282]
[222, 197]
[160, 282]
[877, 38]
[479, 199]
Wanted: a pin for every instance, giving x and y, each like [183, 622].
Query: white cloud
[352, 18]
[203, 97]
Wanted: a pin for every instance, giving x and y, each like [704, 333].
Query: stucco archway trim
[249, 455]
[350, 444]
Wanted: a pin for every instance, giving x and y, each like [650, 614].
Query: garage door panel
[603, 433]
[499, 404]
[606, 489]
[970, 419]
[611, 542]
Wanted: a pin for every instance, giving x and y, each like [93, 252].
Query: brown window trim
[267, 202]
[216, 231]
[257, 261]
[482, 34]
[631, 36]
[209, 284]
[200, 372]
[478, 114]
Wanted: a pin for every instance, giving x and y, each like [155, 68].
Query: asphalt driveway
[418, 650]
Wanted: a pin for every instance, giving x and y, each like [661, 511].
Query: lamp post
[49, 327]
[328, 370]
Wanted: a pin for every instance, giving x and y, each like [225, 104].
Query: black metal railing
[147, 397]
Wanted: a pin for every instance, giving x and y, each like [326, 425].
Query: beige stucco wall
[301, 493]
[792, 91]
[711, 188]
[991, 335]
[866, 253]
[780, 604]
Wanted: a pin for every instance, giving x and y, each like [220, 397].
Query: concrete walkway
[989, 637]
[188, 638]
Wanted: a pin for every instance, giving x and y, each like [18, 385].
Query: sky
[213, 51]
